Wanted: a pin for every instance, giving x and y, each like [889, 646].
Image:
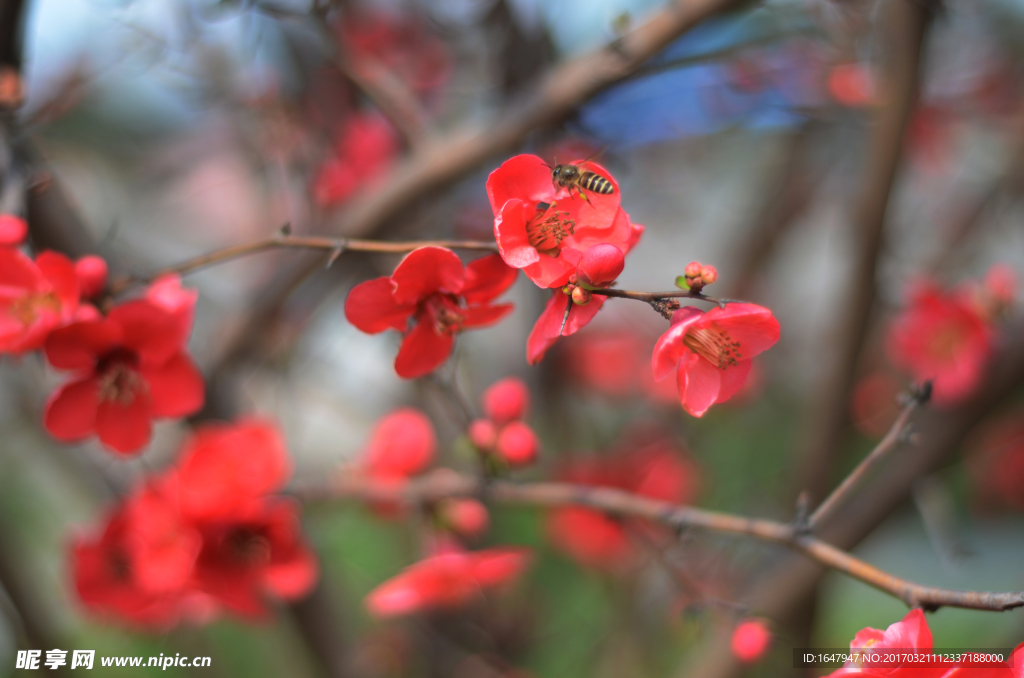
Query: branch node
[286, 229]
[336, 252]
[802, 519]
[665, 307]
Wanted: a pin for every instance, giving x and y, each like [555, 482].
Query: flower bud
[466, 517]
[581, 297]
[517, 444]
[91, 271]
[708, 274]
[12, 230]
[750, 640]
[482, 434]
[600, 265]
[693, 269]
[506, 400]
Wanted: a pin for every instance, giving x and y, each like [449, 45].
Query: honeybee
[572, 176]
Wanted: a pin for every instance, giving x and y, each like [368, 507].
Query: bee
[572, 176]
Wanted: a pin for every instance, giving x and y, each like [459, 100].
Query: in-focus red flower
[542, 228]
[402, 445]
[445, 581]
[431, 288]
[600, 265]
[365, 145]
[36, 297]
[750, 640]
[13, 230]
[131, 367]
[942, 337]
[506, 400]
[711, 351]
[594, 539]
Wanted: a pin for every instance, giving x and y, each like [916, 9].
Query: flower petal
[125, 426]
[549, 271]
[525, 177]
[60, 273]
[546, 330]
[510, 233]
[153, 332]
[71, 410]
[482, 316]
[176, 387]
[487, 278]
[372, 308]
[751, 325]
[425, 271]
[77, 346]
[423, 350]
[669, 349]
[732, 379]
[699, 382]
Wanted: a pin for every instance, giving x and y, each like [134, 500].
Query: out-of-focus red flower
[431, 287]
[942, 337]
[996, 462]
[483, 434]
[750, 640]
[365, 145]
[609, 362]
[506, 400]
[592, 538]
[92, 275]
[466, 517]
[873, 406]
[600, 265]
[402, 445]
[711, 351]
[445, 581]
[542, 228]
[36, 297]
[517, 444]
[851, 84]
[399, 43]
[131, 367]
[13, 230]
[203, 536]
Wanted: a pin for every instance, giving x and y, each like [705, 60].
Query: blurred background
[176, 127]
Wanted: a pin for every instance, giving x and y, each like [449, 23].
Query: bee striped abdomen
[595, 183]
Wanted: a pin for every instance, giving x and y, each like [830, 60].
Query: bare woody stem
[446, 483]
[658, 296]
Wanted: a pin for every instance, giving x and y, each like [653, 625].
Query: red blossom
[466, 517]
[431, 288]
[401, 44]
[711, 351]
[402, 445]
[365, 146]
[483, 434]
[600, 265]
[36, 297]
[131, 368]
[941, 336]
[517, 444]
[13, 230]
[444, 581]
[997, 462]
[506, 400]
[91, 271]
[594, 539]
[542, 228]
[750, 640]
[851, 84]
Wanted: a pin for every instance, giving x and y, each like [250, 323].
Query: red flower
[401, 44]
[92, 275]
[592, 538]
[36, 297]
[750, 640]
[506, 400]
[446, 580]
[132, 368]
[542, 228]
[997, 462]
[364, 148]
[942, 337]
[13, 230]
[431, 287]
[402, 445]
[466, 517]
[712, 351]
[255, 552]
[548, 327]
[600, 265]
[517, 444]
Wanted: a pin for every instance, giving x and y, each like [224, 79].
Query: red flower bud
[750, 640]
[693, 269]
[91, 271]
[12, 230]
[465, 517]
[708, 274]
[517, 444]
[506, 400]
[581, 297]
[600, 265]
[482, 434]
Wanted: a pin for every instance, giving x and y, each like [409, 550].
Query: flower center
[548, 228]
[28, 308]
[445, 311]
[714, 345]
[120, 569]
[947, 342]
[119, 377]
[249, 545]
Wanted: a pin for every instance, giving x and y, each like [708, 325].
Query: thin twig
[446, 483]
[673, 294]
[886, 445]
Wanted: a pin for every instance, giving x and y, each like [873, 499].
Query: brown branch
[446, 483]
[658, 296]
[887, 444]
